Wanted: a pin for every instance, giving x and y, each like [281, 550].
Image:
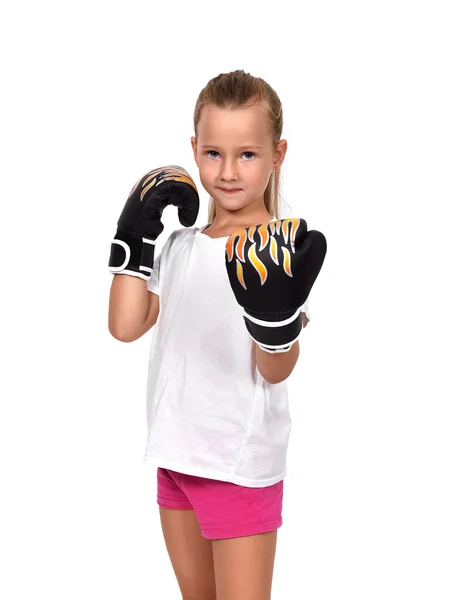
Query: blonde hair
[238, 89]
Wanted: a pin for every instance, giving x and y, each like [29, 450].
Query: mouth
[230, 190]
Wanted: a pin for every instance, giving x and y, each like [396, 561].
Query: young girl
[228, 300]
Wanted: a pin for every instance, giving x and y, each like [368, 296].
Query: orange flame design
[264, 235]
[135, 186]
[241, 234]
[169, 173]
[257, 264]
[251, 230]
[288, 227]
[175, 173]
[148, 186]
[287, 261]
[274, 250]
[274, 227]
[240, 274]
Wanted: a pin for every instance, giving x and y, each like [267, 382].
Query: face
[234, 151]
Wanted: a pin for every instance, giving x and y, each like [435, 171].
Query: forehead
[235, 126]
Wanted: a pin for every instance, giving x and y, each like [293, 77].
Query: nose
[228, 170]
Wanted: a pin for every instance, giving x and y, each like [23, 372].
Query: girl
[224, 341]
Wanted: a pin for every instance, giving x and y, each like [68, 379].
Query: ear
[280, 153]
[194, 147]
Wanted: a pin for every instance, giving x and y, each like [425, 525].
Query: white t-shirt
[210, 412]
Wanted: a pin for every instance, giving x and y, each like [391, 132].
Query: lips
[230, 190]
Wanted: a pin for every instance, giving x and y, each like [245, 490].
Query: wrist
[276, 367]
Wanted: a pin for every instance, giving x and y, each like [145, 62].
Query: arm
[277, 367]
[133, 310]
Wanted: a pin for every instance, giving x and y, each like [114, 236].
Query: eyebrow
[240, 147]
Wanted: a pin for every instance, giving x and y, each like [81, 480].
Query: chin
[233, 205]
[227, 202]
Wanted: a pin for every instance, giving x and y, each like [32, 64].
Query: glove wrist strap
[274, 336]
[131, 255]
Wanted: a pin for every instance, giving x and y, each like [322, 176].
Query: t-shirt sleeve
[305, 315]
[155, 280]
[153, 283]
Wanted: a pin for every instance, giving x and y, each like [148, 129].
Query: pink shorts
[223, 509]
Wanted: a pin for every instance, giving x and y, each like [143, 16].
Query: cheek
[259, 177]
[206, 176]
[206, 167]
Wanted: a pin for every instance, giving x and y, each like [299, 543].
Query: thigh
[244, 566]
[190, 554]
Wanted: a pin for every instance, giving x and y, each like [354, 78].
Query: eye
[251, 154]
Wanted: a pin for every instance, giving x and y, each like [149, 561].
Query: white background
[97, 93]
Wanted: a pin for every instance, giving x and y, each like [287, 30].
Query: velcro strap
[275, 336]
[131, 255]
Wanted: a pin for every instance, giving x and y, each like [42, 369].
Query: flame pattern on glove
[285, 230]
[158, 176]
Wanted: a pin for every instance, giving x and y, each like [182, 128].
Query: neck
[239, 219]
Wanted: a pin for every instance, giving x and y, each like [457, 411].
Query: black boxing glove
[139, 225]
[276, 266]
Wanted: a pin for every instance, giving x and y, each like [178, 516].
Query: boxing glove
[272, 268]
[139, 225]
